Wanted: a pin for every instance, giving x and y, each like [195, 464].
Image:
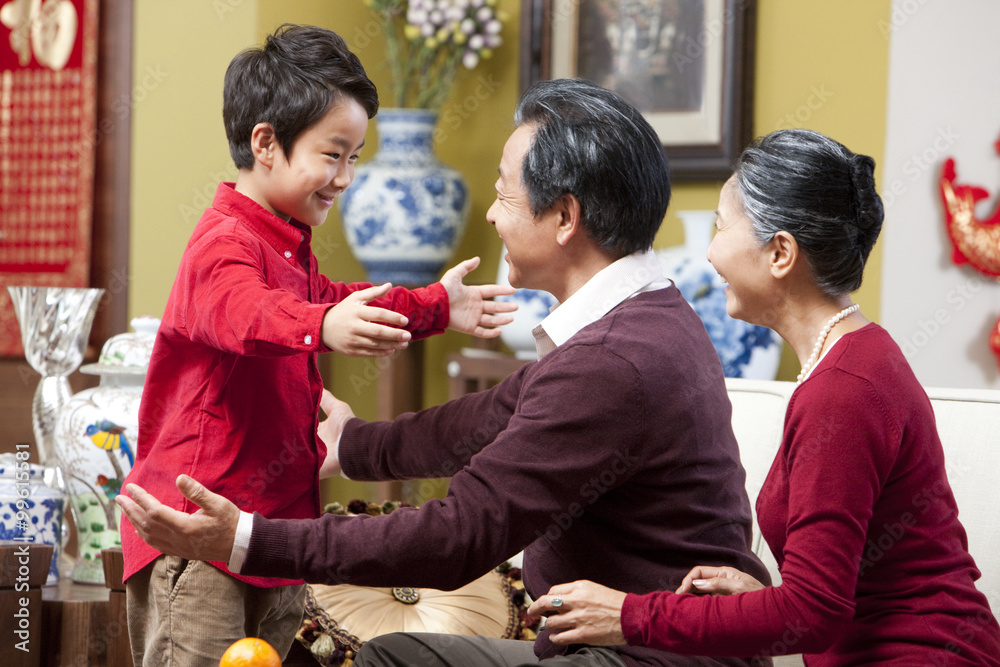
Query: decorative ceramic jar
[96, 440]
[746, 350]
[532, 307]
[30, 509]
[406, 211]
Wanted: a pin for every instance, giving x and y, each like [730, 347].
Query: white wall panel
[944, 100]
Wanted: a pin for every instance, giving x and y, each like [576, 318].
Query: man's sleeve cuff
[241, 543]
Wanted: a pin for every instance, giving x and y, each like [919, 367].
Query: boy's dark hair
[290, 82]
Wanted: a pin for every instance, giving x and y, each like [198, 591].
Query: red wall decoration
[48, 76]
[974, 241]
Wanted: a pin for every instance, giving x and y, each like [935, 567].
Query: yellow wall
[179, 149]
[824, 66]
[820, 65]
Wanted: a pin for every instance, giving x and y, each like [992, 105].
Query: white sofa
[969, 425]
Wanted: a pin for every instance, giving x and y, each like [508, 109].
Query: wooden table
[76, 625]
[23, 569]
[119, 650]
[87, 624]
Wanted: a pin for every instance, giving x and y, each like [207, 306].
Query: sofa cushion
[338, 620]
[968, 422]
[758, 420]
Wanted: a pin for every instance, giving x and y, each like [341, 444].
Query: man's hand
[353, 328]
[208, 534]
[470, 306]
[706, 579]
[588, 614]
[330, 429]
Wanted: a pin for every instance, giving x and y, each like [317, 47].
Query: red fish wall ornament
[974, 242]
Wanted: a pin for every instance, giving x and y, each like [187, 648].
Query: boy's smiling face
[321, 166]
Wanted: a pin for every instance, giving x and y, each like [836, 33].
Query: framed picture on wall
[686, 64]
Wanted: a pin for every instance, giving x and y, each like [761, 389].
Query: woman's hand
[582, 612]
[706, 579]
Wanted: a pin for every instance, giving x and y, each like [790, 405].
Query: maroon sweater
[859, 514]
[611, 459]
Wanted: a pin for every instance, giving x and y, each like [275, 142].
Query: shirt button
[309, 339]
[288, 254]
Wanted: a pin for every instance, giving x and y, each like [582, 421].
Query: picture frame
[687, 64]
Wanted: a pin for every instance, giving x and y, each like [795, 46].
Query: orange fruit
[250, 652]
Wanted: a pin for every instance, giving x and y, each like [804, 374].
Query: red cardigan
[859, 514]
[233, 387]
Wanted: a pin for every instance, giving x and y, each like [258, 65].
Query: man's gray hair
[591, 144]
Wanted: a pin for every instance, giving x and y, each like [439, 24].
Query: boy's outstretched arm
[471, 309]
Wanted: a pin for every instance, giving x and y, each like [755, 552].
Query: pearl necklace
[814, 357]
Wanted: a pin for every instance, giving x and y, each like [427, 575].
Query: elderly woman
[860, 457]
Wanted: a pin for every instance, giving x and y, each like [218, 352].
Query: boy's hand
[208, 534]
[472, 311]
[353, 328]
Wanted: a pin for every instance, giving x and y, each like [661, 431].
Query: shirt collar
[638, 272]
[280, 235]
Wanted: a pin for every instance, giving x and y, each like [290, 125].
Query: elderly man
[610, 459]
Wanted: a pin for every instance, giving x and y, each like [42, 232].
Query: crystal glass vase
[55, 324]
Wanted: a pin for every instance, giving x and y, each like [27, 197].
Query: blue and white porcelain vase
[532, 307]
[405, 212]
[746, 350]
[30, 509]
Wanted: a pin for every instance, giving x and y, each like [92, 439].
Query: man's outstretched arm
[208, 534]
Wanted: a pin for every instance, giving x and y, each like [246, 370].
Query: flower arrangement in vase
[427, 41]
[406, 211]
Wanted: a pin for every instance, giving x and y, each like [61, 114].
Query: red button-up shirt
[233, 386]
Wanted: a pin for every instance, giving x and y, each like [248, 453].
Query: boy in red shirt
[233, 385]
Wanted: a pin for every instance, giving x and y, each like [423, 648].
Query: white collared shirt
[617, 282]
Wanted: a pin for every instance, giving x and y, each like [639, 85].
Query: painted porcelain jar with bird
[96, 439]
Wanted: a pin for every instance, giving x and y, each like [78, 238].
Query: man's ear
[782, 254]
[263, 144]
[568, 222]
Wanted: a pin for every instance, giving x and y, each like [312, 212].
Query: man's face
[530, 240]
